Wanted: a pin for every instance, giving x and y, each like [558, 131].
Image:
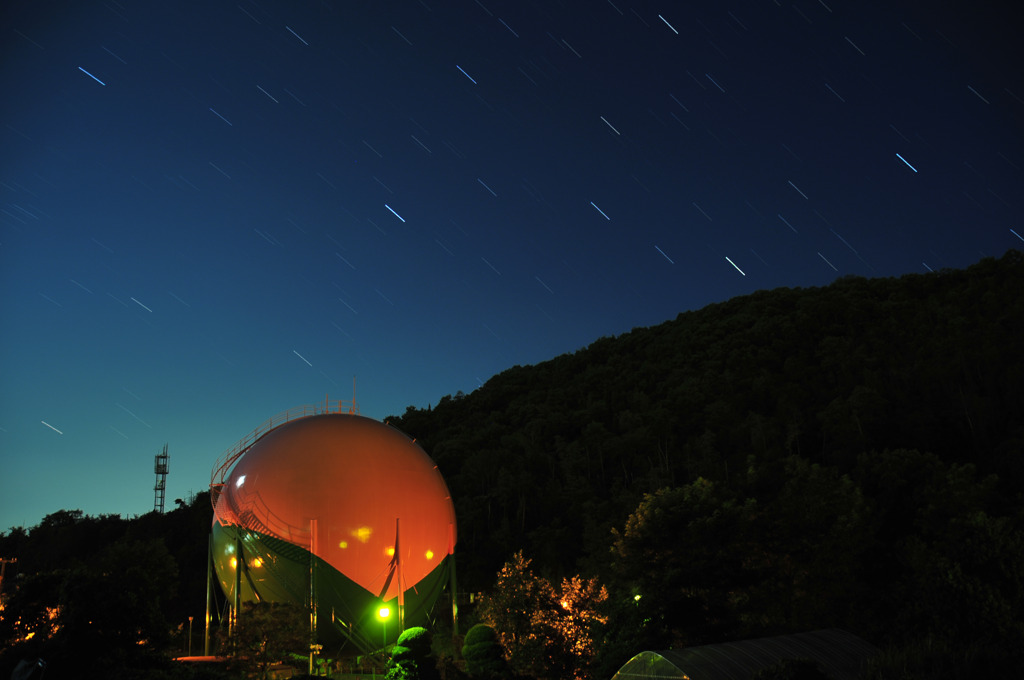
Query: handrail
[227, 460]
[251, 511]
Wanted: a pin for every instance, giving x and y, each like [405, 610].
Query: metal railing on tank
[247, 509]
[223, 466]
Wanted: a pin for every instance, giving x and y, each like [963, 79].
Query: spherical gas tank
[341, 512]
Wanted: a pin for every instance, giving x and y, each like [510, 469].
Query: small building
[839, 654]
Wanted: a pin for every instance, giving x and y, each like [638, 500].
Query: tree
[577, 625]
[102, 619]
[684, 551]
[948, 561]
[517, 608]
[29, 618]
[807, 548]
[545, 632]
[268, 633]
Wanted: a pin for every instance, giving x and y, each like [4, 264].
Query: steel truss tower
[160, 466]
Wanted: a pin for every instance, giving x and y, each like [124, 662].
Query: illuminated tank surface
[323, 498]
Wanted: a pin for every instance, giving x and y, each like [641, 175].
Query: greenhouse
[839, 654]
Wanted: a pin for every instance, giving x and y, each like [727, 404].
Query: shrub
[483, 653]
[411, 657]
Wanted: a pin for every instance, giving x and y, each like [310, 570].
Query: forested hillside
[550, 457]
[844, 456]
[847, 456]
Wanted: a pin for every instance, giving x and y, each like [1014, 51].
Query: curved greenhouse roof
[841, 655]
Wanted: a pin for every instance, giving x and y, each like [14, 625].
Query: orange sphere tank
[359, 497]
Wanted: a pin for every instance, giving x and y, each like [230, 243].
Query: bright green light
[384, 612]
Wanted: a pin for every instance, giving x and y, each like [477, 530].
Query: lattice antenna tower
[160, 466]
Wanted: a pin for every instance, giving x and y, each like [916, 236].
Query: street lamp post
[190, 636]
[384, 613]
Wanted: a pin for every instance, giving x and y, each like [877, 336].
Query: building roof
[839, 654]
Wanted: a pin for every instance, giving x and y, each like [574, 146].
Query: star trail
[201, 201]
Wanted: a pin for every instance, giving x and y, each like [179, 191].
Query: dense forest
[552, 457]
[847, 456]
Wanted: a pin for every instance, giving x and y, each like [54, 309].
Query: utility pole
[209, 582]
[314, 648]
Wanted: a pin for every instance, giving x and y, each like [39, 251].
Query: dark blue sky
[211, 212]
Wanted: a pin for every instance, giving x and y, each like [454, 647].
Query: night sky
[211, 212]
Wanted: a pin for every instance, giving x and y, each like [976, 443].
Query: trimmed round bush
[482, 653]
[411, 657]
[417, 640]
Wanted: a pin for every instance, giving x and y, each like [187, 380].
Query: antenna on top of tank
[353, 408]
